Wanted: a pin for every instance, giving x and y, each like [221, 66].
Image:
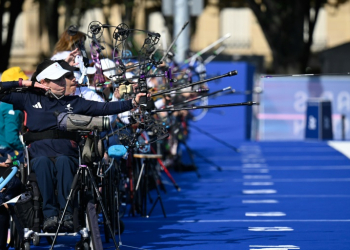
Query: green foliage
[283, 24]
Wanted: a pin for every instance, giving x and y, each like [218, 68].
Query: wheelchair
[113, 182]
[85, 218]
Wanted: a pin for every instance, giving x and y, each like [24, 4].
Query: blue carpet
[270, 195]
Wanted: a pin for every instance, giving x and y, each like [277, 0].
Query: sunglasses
[70, 76]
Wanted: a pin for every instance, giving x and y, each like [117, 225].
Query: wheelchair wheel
[23, 173]
[105, 201]
[108, 194]
[26, 245]
[16, 243]
[82, 245]
[78, 246]
[122, 227]
[36, 240]
[49, 239]
[86, 246]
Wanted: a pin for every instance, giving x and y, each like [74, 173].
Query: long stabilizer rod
[231, 73]
[250, 103]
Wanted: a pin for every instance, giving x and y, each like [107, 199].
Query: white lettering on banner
[328, 95]
[327, 122]
[312, 122]
[298, 127]
[300, 101]
[343, 102]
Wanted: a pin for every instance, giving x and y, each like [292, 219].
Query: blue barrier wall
[318, 120]
[233, 120]
[284, 100]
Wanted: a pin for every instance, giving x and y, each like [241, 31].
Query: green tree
[13, 8]
[49, 16]
[74, 11]
[283, 23]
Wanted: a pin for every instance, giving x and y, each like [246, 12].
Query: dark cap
[66, 66]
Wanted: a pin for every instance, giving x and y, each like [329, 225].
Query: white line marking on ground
[319, 158]
[250, 171]
[278, 247]
[257, 183]
[273, 248]
[275, 196]
[306, 180]
[342, 146]
[259, 191]
[256, 176]
[265, 220]
[259, 201]
[256, 160]
[254, 165]
[249, 156]
[256, 214]
[317, 168]
[270, 229]
[313, 196]
[344, 167]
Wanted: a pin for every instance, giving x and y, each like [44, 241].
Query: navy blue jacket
[40, 116]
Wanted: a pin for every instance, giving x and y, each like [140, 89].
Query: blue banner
[282, 112]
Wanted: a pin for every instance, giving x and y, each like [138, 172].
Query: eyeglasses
[56, 80]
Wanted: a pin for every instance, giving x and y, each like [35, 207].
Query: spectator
[11, 120]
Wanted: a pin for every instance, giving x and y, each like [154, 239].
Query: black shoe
[68, 225]
[50, 224]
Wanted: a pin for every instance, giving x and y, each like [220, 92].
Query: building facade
[30, 43]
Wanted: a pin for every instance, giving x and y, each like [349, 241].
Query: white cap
[129, 75]
[77, 74]
[108, 68]
[89, 70]
[60, 55]
[53, 72]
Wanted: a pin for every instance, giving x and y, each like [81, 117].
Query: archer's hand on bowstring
[117, 94]
[136, 99]
[71, 57]
[28, 83]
